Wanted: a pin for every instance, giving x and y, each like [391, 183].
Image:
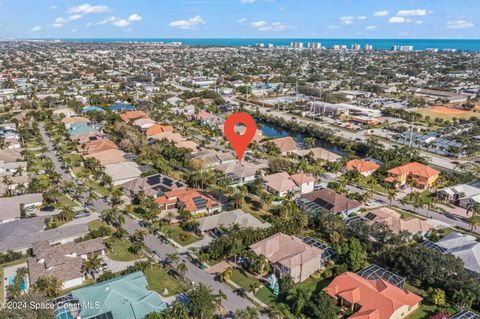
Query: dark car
[48, 208]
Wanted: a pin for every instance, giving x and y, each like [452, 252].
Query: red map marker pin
[239, 142]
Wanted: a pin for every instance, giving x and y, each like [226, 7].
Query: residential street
[195, 274]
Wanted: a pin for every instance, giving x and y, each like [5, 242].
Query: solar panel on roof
[370, 216]
[153, 180]
[200, 202]
[167, 181]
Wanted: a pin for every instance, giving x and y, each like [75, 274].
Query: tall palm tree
[91, 265]
[49, 286]
[182, 269]
[172, 258]
[247, 313]
[66, 214]
[237, 200]
[474, 221]
[391, 195]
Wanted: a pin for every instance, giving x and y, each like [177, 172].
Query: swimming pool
[23, 286]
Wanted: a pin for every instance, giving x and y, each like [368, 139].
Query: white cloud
[332, 27]
[242, 20]
[36, 28]
[187, 24]
[459, 24]
[413, 13]
[247, 1]
[346, 20]
[419, 22]
[264, 26]
[380, 13]
[362, 17]
[119, 22]
[52, 7]
[398, 20]
[88, 8]
[60, 22]
[134, 17]
[371, 27]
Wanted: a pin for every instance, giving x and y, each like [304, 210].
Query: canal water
[270, 131]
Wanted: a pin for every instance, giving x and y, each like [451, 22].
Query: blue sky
[240, 18]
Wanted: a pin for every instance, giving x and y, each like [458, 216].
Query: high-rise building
[356, 47]
[368, 47]
[297, 45]
[314, 45]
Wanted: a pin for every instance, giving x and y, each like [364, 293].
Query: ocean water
[382, 44]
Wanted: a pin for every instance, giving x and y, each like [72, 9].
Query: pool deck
[10, 272]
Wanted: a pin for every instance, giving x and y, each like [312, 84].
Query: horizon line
[238, 38]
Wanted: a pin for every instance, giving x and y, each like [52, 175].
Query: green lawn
[64, 200]
[242, 280]
[158, 280]
[266, 296]
[119, 251]
[310, 285]
[97, 187]
[96, 224]
[425, 311]
[182, 237]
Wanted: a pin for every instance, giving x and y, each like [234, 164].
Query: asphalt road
[196, 275]
[97, 205]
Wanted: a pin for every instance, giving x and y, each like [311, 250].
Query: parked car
[82, 214]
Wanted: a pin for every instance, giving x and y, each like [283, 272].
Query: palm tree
[238, 199]
[182, 269]
[391, 195]
[113, 216]
[172, 258]
[91, 265]
[474, 221]
[247, 313]
[220, 297]
[474, 208]
[66, 214]
[49, 286]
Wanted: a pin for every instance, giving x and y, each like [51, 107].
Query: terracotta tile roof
[378, 298]
[111, 156]
[87, 137]
[98, 146]
[284, 144]
[287, 250]
[189, 199]
[157, 129]
[414, 168]
[132, 115]
[361, 166]
[391, 218]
